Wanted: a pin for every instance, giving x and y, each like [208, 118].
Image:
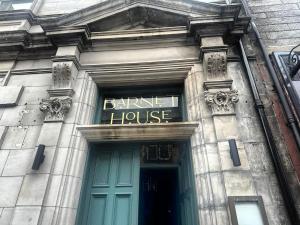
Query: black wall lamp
[234, 154]
[39, 157]
[294, 62]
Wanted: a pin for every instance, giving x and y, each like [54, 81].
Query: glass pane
[248, 213]
[141, 109]
[17, 6]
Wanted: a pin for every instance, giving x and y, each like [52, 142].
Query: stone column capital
[56, 108]
[221, 101]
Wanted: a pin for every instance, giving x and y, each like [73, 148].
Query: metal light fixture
[234, 154]
[39, 157]
[294, 61]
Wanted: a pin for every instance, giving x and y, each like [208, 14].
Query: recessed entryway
[159, 196]
[139, 184]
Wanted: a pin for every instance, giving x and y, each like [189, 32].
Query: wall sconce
[234, 154]
[39, 157]
[294, 62]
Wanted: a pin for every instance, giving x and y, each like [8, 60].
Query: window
[290, 85]
[21, 4]
[15, 4]
[142, 105]
[247, 210]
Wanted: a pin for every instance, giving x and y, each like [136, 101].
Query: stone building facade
[76, 78]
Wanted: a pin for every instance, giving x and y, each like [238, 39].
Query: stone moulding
[215, 65]
[138, 132]
[146, 72]
[56, 108]
[221, 101]
[62, 74]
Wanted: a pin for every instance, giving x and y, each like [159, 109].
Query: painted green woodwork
[111, 190]
[112, 186]
[186, 189]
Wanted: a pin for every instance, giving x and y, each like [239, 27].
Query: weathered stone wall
[50, 195]
[278, 22]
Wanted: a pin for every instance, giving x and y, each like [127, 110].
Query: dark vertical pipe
[279, 170]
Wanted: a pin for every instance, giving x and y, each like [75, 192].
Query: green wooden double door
[111, 193]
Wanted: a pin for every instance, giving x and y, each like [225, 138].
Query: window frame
[258, 199]
[141, 89]
[286, 82]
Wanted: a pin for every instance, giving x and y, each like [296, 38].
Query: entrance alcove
[117, 194]
[125, 185]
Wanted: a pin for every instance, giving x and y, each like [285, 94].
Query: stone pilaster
[39, 183]
[221, 98]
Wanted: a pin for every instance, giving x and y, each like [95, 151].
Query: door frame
[91, 147]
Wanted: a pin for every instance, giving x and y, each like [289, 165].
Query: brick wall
[278, 22]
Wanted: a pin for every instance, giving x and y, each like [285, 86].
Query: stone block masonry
[278, 22]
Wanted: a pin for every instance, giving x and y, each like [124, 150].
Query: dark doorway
[158, 202]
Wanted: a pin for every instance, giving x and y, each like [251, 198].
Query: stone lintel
[138, 132]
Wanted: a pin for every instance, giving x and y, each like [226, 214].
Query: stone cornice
[218, 26]
[146, 72]
[137, 132]
[140, 33]
[106, 9]
[18, 15]
[203, 19]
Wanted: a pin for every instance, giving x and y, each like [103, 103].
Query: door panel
[97, 210]
[102, 169]
[122, 209]
[113, 186]
[125, 168]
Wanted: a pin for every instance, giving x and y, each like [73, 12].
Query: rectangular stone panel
[10, 95]
[9, 190]
[33, 190]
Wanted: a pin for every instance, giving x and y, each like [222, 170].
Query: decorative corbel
[214, 56]
[56, 108]
[215, 65]
[63, 75]
[220, 96]
[221, 102]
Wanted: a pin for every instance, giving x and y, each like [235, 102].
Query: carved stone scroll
[56, 108]
[221, 102]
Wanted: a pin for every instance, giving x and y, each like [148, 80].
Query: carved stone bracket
[215, 65]
[56, 108]
[63, 74]
[222, 102]
[213, 52]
